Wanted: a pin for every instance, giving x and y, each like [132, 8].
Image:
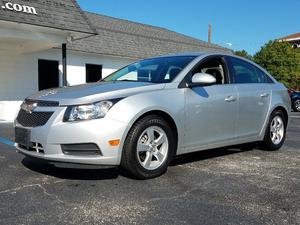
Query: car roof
[195, 54]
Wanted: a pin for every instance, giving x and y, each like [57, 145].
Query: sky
[237, 24]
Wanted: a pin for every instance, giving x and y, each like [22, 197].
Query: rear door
[254, 95]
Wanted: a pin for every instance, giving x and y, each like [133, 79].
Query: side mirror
[202, 79]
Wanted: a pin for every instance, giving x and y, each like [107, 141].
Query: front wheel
[148, 148]
[275, 131]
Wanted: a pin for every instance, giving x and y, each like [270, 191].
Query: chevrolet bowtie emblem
[28, 107]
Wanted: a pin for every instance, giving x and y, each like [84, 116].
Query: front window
[215, 67]
[157, 70]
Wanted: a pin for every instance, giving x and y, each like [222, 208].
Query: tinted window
[243, 72]
[157, 70]
[263, 78]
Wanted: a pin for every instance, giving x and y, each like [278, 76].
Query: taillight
[290, 92]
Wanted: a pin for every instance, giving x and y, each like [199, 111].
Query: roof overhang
[290, 39]
[21, 38]
[58, 14]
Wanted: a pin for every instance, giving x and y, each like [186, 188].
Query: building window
[93, 73]
[48, 74]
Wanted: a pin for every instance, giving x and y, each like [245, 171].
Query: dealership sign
[19, 8]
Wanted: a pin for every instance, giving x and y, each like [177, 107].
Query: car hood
[88, 93]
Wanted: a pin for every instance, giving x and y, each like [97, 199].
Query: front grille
[41, 103]
[34, 119]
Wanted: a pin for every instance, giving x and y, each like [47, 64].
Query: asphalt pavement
[235, 185]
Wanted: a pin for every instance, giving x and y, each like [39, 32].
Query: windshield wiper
[127, 80]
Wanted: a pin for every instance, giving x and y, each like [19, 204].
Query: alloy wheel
[152, 148]
[277, 130]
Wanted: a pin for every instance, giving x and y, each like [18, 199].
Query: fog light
[83, 149]
[114, 142]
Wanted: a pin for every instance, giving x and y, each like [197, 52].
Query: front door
[211, 115]
[211, 111]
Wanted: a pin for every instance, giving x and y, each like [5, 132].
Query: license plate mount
[22, 136]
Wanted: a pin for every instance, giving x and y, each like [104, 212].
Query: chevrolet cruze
[144, 114]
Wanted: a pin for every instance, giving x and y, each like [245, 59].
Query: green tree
[282, 61]
[243, 53]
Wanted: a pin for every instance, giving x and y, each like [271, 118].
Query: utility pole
[209, 33]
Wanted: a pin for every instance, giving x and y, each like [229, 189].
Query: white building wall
[77, 61]
[19, 74]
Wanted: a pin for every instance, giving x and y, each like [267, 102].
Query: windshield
[157, 70]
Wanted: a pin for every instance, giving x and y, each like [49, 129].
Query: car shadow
[45, 168]
[212, 153]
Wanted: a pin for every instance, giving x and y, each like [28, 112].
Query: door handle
[230, 99]
[263, 95]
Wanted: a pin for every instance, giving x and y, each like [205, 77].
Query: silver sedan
[144, 114]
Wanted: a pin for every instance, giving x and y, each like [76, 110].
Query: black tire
[296, 103]
[130, 160]
[267, 143]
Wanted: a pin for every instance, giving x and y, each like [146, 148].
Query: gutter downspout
[64, 64]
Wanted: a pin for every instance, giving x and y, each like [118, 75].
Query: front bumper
[48, 139]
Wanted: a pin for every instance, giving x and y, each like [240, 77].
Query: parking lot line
[298, 117]
[7, 141]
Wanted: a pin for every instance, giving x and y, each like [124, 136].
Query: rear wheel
[296, 105]
[275, 131]
[148, 148]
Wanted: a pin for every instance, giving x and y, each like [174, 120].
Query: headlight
[87, 112]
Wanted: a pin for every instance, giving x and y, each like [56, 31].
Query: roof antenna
[209, 33]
